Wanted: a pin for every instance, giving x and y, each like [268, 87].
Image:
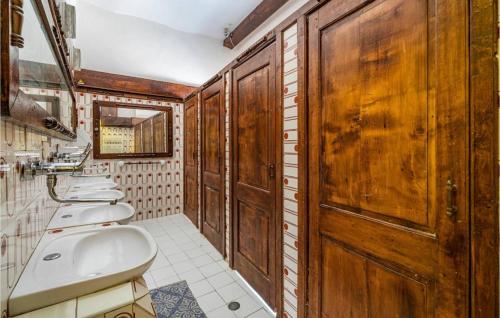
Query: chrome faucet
[48, 168]
[52, 169]
[51, 185]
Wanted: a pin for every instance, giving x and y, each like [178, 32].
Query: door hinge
[271, 171]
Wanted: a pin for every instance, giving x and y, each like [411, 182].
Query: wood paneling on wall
[483, 17]
[114, 83]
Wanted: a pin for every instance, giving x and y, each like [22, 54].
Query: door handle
[451, 202]
[271, 171]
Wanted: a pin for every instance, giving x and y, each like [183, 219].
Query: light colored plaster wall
[126, 45]
[131, 46]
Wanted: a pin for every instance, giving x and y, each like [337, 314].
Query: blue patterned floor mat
[176, 301]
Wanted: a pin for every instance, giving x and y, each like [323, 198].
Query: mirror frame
[96, 132]
[16, 106]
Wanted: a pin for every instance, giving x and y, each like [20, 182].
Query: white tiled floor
[185, 254]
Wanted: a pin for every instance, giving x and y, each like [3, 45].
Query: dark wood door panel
[253, 174]
[378, 239]
[147, 135]
[211, 210]
[191, 195]
[254, 125]
[257, 196]
[253, 236]
[191, 159]
[373, 289]
[383, 145]
[213, 138]
[159, 133]
[138, 138]
[191, 133]
[381, 106]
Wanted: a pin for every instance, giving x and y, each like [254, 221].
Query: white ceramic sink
[104, 185]
[95, 194]
[79, 261]
[85, 214]
[88, 179]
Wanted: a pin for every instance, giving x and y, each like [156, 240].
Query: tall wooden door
[387, 159]
[212, 123]
[254, 184]
[191, 159]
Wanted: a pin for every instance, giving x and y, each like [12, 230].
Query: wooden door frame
[222, 123]
[483, 94]
[196, 105]
[278, 114]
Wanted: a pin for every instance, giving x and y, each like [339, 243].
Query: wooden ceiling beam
[94, 80]
[260, 14]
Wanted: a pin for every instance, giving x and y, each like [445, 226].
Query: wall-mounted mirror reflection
[123, 130]
[40, 76]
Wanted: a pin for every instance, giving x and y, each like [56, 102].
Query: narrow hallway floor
[185, 254]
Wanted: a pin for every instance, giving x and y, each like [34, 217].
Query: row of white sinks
[87, 248]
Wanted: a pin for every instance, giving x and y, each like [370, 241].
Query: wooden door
[212, 190]
[191, 159]
[254, 184]
[388, 215]
[138, 138]
[159, 133]
[147, 135]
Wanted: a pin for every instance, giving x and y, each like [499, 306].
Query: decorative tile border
[290, 171]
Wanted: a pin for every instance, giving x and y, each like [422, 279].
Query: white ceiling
[204, 17]
[123, 36]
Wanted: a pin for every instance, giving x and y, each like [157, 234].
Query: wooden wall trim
[96, 138]
[279, 114]
[114, 83]
[254, 49]
[484, 158]
[128, 96]
[260, 14]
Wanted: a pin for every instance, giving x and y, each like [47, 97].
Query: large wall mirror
[40, 76]
[131, 131]
[36, 81]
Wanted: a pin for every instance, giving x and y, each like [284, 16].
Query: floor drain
[234, 305]
[52, 257]
[66, 216]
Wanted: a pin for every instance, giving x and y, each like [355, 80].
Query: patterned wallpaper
[117, 139]
[25, 208]
[153, 186]
[290, 171]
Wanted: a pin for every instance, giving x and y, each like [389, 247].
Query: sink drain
[66, 216]
[52, 257]
[234, 305]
